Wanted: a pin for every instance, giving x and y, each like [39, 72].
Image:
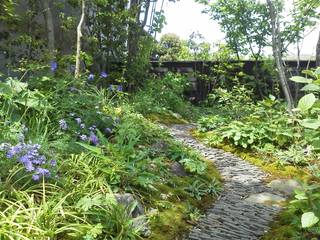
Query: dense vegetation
[84, 150]
[283, 144]
[67, 150]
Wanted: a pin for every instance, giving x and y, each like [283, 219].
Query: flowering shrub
[28, 155]
[77, 127]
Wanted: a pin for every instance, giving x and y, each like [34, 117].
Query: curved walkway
[242, 211]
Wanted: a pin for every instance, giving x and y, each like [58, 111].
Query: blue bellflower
[91, 77]
[104, 74]
[53, 66]
[63, 124]
[93, 139]
[29, 156]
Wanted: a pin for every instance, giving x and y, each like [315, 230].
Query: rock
[178, 170]
[286, 186]
[139, 220]
[159, 147]
[265, 198]
[127, 200]
[141, 223]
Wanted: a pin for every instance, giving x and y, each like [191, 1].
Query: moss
[166, 118]
[266, 163]
[282, 228]
[172, 220]
[170, 223]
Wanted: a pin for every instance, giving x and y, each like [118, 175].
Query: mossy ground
[173, 203]
[265, 162]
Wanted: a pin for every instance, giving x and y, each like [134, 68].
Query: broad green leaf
[299, 79]
[306, 102]
[309, 219]
[5, 90]
[17, 86]
[317, 71]
[316, 144]
[310, 123]
[311, 87]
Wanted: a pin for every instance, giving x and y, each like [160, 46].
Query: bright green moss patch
[170, 224]
[265, 162]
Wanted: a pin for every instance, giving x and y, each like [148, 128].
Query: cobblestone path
[234, 216]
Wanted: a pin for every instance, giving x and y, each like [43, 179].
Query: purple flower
[120, 89]
[14, 150]
[92, 128]
[104, 74]
[53, 66]
[53, 163]
[93, 139]
[42, 171]
[63, 124]
[29, 156]
[35, 177]
[24, 159]
[82, 125]
[91, 77]
[107, 130]
[83, 137]
[78, 120]
[29, 166]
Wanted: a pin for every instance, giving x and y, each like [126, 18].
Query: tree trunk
[50, 26]
[277, 52]
[318, 52]
[79, 35]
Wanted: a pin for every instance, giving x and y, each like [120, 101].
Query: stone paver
[234, 216]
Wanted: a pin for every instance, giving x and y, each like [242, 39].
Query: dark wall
[200, 89]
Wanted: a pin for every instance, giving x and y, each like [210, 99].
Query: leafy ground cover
[68, 147]
[283, 144]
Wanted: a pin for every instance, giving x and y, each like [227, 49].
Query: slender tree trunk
[318, 52]
[50, 26]
[277, 52]
[79, 36]
[146, 14]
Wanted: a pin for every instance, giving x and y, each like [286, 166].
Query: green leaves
[310, 123]
[309, 219]
[311, 87]
[194, 166]
[306, 102]
[299, 79]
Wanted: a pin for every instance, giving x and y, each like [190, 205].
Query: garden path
[245, 207]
